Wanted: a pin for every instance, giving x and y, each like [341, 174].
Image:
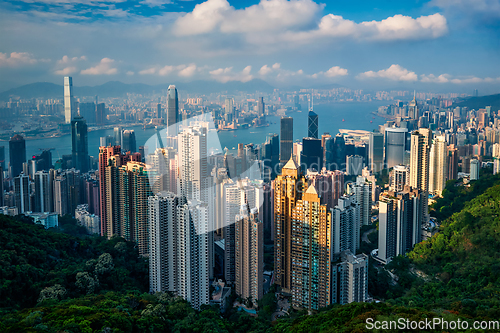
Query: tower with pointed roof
[413, 107]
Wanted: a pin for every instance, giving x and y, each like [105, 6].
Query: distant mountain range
[481, 102]
[117, 89]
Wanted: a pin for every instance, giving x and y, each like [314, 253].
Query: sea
[331, 118]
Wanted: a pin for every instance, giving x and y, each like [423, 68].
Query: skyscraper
[79, 143]
[249, 253]
[339, 153]
[44, 199]
[452, 163]
[69, 107]
[400, 221]
[2, 157]
[329, 185]
[399, 178]
[354, 165]
[376, 152]
[88, 111]
[362, 192]
[419, 164]
[310, 252]
[179, 255]
[438, 167]
[345, 225]
[17, 155]
[350, 278]
[22, 193]
[395, 146]
[286, 137]
[475, 166]
[288, 188]
[129, 143]
[260, 106]
[118, 133]
[172, 109]
[312, 125]
[311, 156]
[413, 109]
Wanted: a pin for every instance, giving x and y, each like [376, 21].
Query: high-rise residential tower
[79, 144]
[69, 104]
[249, 254]
[128, 141]
[17, 155]
[419, 164]
[286, 139]
[438, 167]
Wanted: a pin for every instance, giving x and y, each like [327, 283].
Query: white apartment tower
[438, 168]
[345, 225]
[179, 248]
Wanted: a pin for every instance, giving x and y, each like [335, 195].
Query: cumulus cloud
[16, 59]
[443, 78]
[180, 70]
[273, 21]
[394, 73]
[264, 70]
[105, 67]
[487, 8]
[227, 74]
[66, 71]
[151, 70]
[188, 71]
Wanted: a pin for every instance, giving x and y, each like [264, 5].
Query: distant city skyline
[438, 45]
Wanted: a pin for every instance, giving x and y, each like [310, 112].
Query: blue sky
[436, 45]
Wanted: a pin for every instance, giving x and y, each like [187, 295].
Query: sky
[436, 45]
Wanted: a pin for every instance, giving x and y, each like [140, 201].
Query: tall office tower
[22, 193]
[311, 156]
[475, 166]
[178, 254]
[362, 191]
[249, 253]
[329, 185]
[242, 156]
[88, 111]
[340, 153]
[438, 167]
[2, 157]
[395, 146]
[452, 163]
[100, 113]
[44, 199]
[288, 189]
[311, 252]
[69, 104]
[270, 156]
[128, 141]
[158, 111]
[399, 178]
[79, 144]
[286, 137]
[345, 225]
[312, 125]
[354, 165]
[400, 221]
[172, 109]
[350, 278]
[17, 155]
[376, 152]
[105, 141]
[329, 147]
[413, 109]
[41, 162]
[118, 133]
[419, 164]
[234, 195]
[260, 106]
[110, 158]
[298, 147]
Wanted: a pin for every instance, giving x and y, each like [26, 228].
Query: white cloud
[394, 73]
[336, 71]
[67, 60]
[151, 70]
[66, 70]
[166, 70]
[16, 59]
[264, 70]
[274, 21]
[488, 8]
[443, 78]
[105, 67]
[189, 71]
[227, 74]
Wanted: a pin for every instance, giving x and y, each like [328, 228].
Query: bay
[332, 117]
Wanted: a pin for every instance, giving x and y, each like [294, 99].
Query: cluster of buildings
[202, 218]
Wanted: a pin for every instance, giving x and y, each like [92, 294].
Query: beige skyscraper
[419, 164]
[438, 168]
[69, 107]
[249, 253]
[287, 191]
[311, 252]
